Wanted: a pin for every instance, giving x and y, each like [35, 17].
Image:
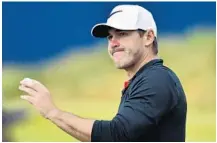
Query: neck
[134, 69]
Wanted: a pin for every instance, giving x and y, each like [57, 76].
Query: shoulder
[155, 75]
[155, 79]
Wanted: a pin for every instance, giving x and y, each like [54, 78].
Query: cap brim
[100, 30]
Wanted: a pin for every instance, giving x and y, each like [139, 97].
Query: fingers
[33, 84]
[27, 90]
[27, 98]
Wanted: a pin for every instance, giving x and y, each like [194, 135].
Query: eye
[109, 37]
[122, 33]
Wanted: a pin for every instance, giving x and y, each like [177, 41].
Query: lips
[117, 50]
[118, 55]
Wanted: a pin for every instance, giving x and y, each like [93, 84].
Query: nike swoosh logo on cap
[115, 13]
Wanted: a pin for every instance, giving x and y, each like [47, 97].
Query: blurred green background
[87, 84]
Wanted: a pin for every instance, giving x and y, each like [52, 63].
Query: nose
[114, 43]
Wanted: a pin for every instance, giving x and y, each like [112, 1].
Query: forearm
[77, 127]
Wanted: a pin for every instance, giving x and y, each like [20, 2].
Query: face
[125, 48]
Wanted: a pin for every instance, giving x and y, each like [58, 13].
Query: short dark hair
[155, 43]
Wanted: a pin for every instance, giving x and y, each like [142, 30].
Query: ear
[149, 37]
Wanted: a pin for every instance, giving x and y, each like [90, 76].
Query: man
[153, 104]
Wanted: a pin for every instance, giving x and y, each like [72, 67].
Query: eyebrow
[115, 30]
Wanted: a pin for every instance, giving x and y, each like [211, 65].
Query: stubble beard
[127, 61]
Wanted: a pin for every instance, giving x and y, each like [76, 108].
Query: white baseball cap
[126, 17]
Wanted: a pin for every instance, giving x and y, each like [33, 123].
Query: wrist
[53, 114]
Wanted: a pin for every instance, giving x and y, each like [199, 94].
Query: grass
[88, 85]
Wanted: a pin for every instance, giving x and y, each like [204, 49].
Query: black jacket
[153, 108]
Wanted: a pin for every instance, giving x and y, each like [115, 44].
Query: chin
[123, 66]
[120, 67]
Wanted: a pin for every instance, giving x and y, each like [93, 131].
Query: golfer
[153, 104]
